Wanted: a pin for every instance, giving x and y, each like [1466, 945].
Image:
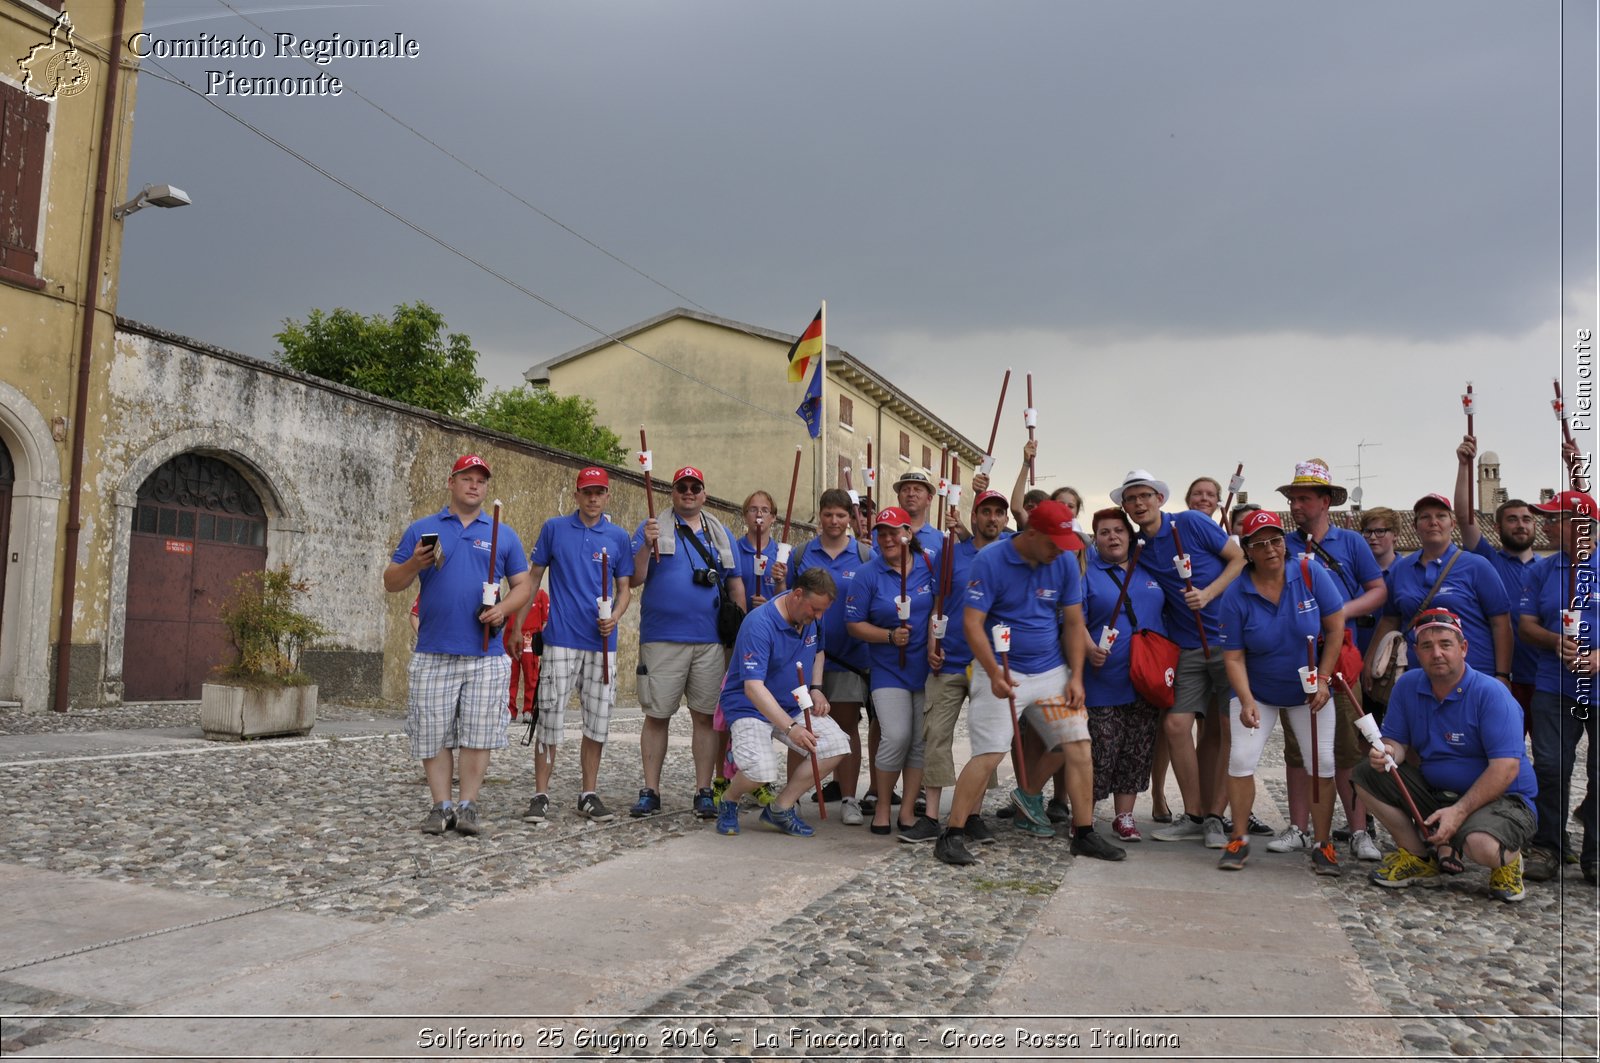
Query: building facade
[718, 387]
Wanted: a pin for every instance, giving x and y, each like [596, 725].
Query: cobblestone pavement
[327, 826]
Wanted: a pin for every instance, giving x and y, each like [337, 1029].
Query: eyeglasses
[1139, 496]
[1275, 542]
[759, 511]
[688, 487]
[1377, 531]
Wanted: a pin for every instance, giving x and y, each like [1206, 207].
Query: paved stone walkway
[174, 897]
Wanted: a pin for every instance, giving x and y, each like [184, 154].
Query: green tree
[538, 414]
[406, 357]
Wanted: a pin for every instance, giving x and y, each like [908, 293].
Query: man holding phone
[457, 688]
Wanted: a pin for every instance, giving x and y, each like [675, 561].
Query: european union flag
[810, 410]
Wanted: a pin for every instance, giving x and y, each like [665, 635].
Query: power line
[464, 164]
[169, 76]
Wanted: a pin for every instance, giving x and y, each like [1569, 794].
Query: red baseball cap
[1434, 499]
[593, 476]
[992, 496]
[689, 472]
[893, 516]
[470, 461]
[1054, 520]
[1575, 502]
[1258, 519]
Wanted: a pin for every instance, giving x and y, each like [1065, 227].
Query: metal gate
[198, 527]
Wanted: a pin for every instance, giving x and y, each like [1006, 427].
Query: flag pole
[822, 416]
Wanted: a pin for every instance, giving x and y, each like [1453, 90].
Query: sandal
[1161, 815]
[1449, 862]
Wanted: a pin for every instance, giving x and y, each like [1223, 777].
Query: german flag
[807, 347]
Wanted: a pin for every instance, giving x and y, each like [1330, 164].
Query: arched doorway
[8, 480]
[197, 527]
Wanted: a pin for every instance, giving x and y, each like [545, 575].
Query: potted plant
[263, 692]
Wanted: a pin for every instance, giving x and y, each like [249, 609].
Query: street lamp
[153, 196]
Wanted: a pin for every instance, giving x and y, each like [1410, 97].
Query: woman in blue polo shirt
[897, 643]
[760, 581]
[1122, 725]
[1266, 616]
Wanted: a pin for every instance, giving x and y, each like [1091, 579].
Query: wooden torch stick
[605, 640]
[1311, 662]
[816, 768]
[494, 550]
[1233, 485]
[649, 493]
[794, 478]
[1472, 467]
[1031, 415]
[1188, 585]
[998, 409]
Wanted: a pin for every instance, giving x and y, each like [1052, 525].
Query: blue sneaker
[727, 817]
[649, 804]
[705, 804]
[788, 821]
[1028, 826]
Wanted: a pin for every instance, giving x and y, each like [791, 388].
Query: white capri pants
[1248, 743]
[900, 738]
[750, 740]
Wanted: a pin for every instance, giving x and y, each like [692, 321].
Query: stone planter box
[233, 713]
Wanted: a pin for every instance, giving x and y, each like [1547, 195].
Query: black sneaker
[538, 809]
[649, 804]
[705, 804]
[1234, 855]
[1260, 829]
[440, 818]
[921, 809]
[830, 792]
[1058, 811]
[1097, 846]
[952, 849]
[591, 807]
[1005, 812]
[467, 817]
[923, 830]
[1324, 861]
[978, 831]
[869, 804]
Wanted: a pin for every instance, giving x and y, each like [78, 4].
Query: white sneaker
[850, 812]
[1362, 847]
[1292, 840]
[1181, 829]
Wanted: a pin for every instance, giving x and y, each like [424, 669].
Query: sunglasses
[688, 487]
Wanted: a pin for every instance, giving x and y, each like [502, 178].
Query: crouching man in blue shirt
[759, 703]
[1457, 736]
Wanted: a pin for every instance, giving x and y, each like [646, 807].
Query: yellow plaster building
[713, 393]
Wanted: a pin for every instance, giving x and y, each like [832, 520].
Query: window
[927, 457]
[24, 123]
[905, 446]
[847, 412]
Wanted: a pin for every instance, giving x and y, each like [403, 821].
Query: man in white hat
[1201, 680]
[915, 493]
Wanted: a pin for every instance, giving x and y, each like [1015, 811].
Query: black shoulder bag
[729, 615]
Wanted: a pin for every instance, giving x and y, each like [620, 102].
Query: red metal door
[198, 527]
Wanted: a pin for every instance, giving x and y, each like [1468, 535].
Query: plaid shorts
[456, 701]
[562, 670]
[752, 745]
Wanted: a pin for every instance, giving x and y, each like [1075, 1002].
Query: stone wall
[341, 473]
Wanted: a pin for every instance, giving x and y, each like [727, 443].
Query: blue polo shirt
[1273, 635]
[744, 552]
[1364, 634]
[1546, 595]
[840, 648]
[929, 537]
[1477, 722]
[1028, 598]
[1514, 574]
[570, 550]
[871, 599]
[1110, 684]
[957, 654]
[1204, 539]
[1358, 566]
[1473, 591]
[675, 607]
[452, 594]
[768, 649]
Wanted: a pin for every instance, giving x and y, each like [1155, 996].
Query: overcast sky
[1213, 232]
